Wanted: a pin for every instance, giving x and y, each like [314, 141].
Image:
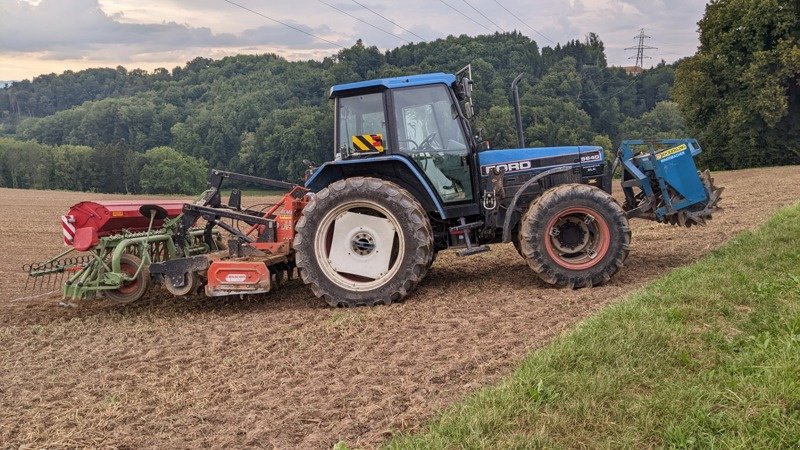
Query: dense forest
[262, 114]
[110, 130]
[741, 91]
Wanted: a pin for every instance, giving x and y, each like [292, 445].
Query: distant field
[284, 370]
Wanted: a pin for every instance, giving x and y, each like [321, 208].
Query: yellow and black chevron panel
[368, 142]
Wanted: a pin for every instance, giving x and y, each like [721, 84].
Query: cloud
[82, 29]
[169, 32]
[271, 34]
[672, 25]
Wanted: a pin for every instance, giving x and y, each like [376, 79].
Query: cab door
[429, 131]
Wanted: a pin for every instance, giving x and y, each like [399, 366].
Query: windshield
[427, 119]
[429, 131]
[362, 125]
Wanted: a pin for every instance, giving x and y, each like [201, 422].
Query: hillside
[262, 114]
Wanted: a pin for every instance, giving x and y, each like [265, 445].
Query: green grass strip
[707, 357]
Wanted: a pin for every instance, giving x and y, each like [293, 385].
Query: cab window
[361, 115]
[428, 130]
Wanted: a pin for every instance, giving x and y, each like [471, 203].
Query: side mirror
[485, 145]
[469, 112]
[467, 85]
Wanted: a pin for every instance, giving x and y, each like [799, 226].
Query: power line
[520, 21]
[608, 81]
[365, 22]
[484, 16]
[388, 20]
[609, 96]
[611, 79]
[466, 16]
[283, 23]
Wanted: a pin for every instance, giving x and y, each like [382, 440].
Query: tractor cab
[415, 131]
[417, 118]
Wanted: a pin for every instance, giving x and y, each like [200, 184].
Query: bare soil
[284, 370]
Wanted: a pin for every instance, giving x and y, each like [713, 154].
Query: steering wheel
[416, 146]
[426, 143]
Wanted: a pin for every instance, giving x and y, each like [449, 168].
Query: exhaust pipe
[517, 112]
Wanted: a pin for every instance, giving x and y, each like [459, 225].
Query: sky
[46, 36]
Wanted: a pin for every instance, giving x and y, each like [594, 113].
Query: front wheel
[363, 241]
[575, 236]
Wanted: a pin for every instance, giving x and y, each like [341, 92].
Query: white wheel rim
[323, 245]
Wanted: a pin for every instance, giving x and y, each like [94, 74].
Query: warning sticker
[671, 151]
[368, 142]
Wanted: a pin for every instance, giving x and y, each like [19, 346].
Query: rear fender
[394, 168]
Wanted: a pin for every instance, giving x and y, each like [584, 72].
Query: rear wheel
[363, 241]
[132, 290]
[575, 235]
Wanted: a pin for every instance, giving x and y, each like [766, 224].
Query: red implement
[111, 217]
[237, 277]
[253, 274]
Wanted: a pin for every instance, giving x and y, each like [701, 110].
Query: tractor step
[466, 226]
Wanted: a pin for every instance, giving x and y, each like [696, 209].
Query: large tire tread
[392, 195]
[534, 222]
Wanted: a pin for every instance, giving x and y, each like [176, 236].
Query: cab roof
[392, 83]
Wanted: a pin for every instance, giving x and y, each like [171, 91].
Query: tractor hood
[538, 159]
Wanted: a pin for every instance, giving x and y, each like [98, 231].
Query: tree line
[741, 91]
[263, 115]
[105, 168]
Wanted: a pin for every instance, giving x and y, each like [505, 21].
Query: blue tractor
[410, 178]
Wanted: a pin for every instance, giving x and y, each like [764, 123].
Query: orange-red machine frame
[252, 272]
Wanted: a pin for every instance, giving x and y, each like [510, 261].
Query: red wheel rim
[596, 248]
[128, 286]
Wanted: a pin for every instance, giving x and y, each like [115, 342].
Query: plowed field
[284, 370]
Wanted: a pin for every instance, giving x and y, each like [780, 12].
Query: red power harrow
[259, 252]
